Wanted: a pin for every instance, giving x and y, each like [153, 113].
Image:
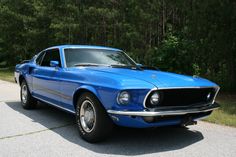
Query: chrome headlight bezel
[123, 98]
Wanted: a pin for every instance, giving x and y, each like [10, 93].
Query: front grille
[182, 97]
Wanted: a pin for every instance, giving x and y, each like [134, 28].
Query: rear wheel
[27, 101]
[92, 120]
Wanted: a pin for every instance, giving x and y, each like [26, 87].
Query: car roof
[84, 47]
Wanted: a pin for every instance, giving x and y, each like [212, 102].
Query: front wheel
[27, 101]
[92, 120]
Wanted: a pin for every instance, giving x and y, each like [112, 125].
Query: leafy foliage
[194, 37]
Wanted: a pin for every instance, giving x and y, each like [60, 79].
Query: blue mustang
[103, 86]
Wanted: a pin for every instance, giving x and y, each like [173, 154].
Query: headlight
[123, 98]
[155, 98]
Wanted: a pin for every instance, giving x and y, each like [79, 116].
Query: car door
[46, 79]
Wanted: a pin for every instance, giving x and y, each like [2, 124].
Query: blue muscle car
[103, 86]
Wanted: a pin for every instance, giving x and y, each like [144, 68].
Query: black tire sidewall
[83, 98]
[26, 103]
[30, 101]
[103, 125]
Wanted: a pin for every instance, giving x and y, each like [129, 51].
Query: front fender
[86, 87]
[81, 89]
[106, 96]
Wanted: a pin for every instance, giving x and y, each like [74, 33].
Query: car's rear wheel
[27, 101]
[92, 120]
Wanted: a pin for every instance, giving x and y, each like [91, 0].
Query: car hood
[158, 78]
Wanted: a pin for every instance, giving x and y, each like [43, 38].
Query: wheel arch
[79, 91]
[21, 78]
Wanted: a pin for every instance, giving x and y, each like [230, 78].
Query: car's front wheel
[92, 120]
[27, 101]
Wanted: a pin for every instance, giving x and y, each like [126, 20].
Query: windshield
[89, 57]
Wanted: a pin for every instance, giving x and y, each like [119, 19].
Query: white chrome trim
[217, 88]
[196, 87]
[83, 116]
[217, 91]
[145, 113]
[37, 55]
[129, 57]
[144, 104]
[64, 58]
[54, 104]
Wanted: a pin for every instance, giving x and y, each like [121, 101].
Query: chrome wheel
[24, 93]
[92, 120]
[87, 116]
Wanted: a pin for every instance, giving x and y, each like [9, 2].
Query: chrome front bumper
[166, 112]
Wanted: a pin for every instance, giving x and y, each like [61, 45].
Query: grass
[225, 115]
[7, 75]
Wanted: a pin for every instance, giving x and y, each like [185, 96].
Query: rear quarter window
[39, 58]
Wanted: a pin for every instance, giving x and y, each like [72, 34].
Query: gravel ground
[47, 131]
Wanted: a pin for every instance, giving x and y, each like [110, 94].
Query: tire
[27, 101]
[93, 122]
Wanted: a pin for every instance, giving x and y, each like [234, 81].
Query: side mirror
[54, 64]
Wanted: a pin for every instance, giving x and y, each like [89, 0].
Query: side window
[51, 55]
[39, 58]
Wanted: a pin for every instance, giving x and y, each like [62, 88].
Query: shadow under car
[123, 141]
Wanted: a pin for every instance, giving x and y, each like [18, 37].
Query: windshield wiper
[135, 67]
[149, 67]
[90, 64]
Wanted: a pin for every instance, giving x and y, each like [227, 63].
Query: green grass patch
[7, 75]
[226, 114]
